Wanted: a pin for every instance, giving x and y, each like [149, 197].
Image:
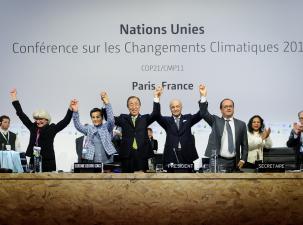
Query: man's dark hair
[3, 117]
[221, 103]
[96, 110]
[130, 97]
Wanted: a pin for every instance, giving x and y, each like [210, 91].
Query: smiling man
[135, 147]
[180, 142]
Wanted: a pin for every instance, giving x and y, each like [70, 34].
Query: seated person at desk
[80, 145]
[258, 138]
[153, 142]
[117, 137]
[295, 140]
[8, 139]
[98, 145]
[153, 149]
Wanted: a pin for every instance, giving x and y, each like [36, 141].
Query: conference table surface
[151, 198]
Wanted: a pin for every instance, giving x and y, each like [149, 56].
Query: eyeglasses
[228, 106]
[300, 118]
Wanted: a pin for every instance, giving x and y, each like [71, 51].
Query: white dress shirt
[224, 152]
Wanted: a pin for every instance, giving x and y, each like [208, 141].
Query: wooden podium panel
[145, 198]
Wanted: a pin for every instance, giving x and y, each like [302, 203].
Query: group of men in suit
[227, 140]
[228, 137]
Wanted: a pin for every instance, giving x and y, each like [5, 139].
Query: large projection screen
[250, 51]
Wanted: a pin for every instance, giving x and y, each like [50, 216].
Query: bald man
[180, 142]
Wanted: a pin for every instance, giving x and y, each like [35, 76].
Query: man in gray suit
[228, 137]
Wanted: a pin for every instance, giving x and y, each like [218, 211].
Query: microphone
[176, 155]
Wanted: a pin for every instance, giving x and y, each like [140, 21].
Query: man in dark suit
[295, 140]
[180, 144]
[153, 142]
[153, 149]
[135, 146]
[228, 137]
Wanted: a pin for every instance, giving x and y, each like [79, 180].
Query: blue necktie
[231, 146]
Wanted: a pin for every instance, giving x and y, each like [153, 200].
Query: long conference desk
[151, 198]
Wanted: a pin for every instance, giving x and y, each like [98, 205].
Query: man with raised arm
[180, 142]
[228, 138]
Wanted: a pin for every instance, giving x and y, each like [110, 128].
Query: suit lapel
[221, 125]
[173, 123]
[182, 122]
[237, 131]
[130, 121]
[136, 121]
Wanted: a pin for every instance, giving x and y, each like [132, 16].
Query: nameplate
[87, 167]
[270, 167]
[180, 167]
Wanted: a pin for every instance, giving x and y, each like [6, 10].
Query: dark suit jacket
[183, 135]
[11, 141]
[79, 148]
[217, 125]
[295, 143]
[154, 144]
[139, 131]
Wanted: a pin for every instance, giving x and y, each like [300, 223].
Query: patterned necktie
[231, 146]
[134, 145]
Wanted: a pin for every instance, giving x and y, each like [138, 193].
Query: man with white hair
[42, 132]
[180, 142]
